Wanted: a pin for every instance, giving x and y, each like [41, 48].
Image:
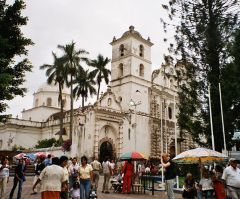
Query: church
[136, 113]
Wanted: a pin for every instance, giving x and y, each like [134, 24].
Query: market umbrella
[20, 155]
[199, 155]
[31, 156]
[133, 156]
[40, 154]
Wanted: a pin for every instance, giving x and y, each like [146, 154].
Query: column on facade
[96, 139]
[155, 141]
[165, 127]
[120, 140]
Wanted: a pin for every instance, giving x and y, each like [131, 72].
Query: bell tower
[131, 68]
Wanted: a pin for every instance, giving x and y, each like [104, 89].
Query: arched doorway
[106, 150]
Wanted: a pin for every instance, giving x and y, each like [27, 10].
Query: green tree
[56, 74]
[230, 82]
[13, 44]
[84, 81]
[71, 59]
[203, 33]
[100, 71]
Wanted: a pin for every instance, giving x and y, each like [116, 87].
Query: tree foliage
[203, 31]
[85, 83]
[13, 43]
[72, 59]
[56, 74]
[100, 71]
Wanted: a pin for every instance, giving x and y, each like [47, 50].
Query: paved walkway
[27, 190]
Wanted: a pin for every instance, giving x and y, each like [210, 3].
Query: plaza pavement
[27, 190]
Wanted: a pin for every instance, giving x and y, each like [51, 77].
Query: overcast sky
[92, 25]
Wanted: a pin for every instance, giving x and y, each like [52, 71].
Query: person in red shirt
[127, 170]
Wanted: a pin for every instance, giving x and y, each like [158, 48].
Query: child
[189, 187]
[206, 185]
[75, 191]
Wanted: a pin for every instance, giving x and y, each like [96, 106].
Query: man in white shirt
[73, 172]
[96, 165]
[107, 172]
[231, 175]
[53, 179]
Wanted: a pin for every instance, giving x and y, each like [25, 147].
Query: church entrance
[106, 150]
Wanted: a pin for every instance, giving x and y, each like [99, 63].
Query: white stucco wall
[39, 114]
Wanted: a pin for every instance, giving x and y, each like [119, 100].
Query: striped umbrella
[199, 155]
[133, 156]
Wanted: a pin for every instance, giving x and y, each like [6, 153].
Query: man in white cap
[231, 175]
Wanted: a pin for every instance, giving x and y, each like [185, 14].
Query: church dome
[45, 87]
[131, 31]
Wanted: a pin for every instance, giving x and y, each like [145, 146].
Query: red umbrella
[133, 156]
[20, 155]
[42, 154]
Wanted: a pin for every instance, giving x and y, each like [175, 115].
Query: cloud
[92, 24]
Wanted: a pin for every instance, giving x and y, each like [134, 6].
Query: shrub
[46, 143]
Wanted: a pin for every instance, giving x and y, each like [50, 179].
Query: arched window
[141, 70]
[49, 101]
[141, 50]
[120, 70]
[119, 98]
[129, 134]
[36, 103]
[170, 113]
[121, 49]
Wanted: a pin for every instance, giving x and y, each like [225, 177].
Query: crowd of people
[216, 183]
[63, 178]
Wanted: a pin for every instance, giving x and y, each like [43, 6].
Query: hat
[232, 160]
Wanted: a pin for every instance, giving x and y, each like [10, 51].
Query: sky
[92, 24]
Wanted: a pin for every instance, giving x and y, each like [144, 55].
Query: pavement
[27, 190]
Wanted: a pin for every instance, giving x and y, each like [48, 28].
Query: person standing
[96, 165]
[38, 169]
[127, 171]
[107, 172]
[19, 178]
[206, 185]
[64, 164]
[86, 177]
[218, 183]
[52, 179]
[189, 191]
[73, 172]
[170, 174]
[4, 176]
[113, 167]
[48, 160]
[231, 176]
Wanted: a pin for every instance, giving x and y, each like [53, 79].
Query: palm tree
[85, 85]
[71, 59]
[100, 71]
[56, 74]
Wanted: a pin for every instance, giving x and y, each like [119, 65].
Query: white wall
[39, 114]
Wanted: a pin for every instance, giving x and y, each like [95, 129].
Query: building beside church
[136, 113]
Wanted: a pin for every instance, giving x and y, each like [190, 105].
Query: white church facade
[136, 113]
